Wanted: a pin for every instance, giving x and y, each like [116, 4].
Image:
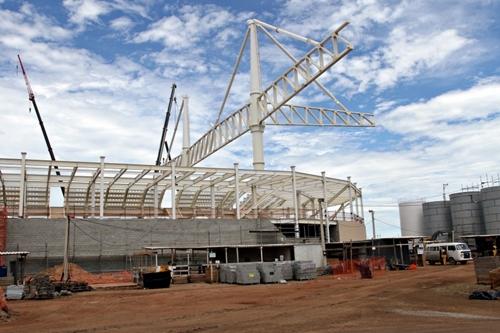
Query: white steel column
[256, 128]
[295, 204]
[325, 211]
[22, 185]
[254, 201]
[172, 191]
[185, 128]
[212, 200]
[92, 203]
[361, 200]
[237, 190]
[155, 194]
[357, 202]
[350, 197]
[101, 189]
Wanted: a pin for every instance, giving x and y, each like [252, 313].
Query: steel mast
[165, 127]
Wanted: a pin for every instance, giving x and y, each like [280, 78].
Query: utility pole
[444, 191]
[373, 222]
[373, 230]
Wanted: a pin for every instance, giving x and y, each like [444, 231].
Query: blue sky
[102, 71]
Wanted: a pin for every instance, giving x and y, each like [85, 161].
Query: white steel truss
[269, 106]
[128, 188]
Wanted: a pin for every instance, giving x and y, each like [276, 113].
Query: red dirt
[77, 273]
[432, 299]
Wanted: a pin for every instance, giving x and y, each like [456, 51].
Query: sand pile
[77, 273]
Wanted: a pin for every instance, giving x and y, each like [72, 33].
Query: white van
[457, 252]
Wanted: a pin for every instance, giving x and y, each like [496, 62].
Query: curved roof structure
[138, 190]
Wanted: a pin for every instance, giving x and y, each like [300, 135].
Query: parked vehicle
[455, 252]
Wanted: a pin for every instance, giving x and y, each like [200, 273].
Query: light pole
[373, 230]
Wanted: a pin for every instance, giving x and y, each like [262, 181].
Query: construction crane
[165, 128]
[31, 97]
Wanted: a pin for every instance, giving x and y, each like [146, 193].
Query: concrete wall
[311, 252]
[348, 231]
[117, 237]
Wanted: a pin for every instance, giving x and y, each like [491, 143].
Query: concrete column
[22, 185]
[225, 253]
[261, 254]
[101, 189]
[325, 211]
[212, 200]
[295, 203]
[237, 255]
[350, 196]
[172, 190]
[185, 129]
[237, 190]
[256, 128]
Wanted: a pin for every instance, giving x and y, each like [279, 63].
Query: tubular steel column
[237, 190]
[361, 200]
[295, 204]
[22, 185]
[92, 202]
[101, 189]
[172, 188]
[325, 210]
[350, 196]
[321, 232]
[256, 128]
[155, 193]
[212, 201]
[185, 129]
[357, 202]
[254, 202]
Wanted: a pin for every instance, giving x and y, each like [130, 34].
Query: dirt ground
[431, 299]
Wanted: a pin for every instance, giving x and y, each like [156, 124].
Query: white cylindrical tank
[411, 217]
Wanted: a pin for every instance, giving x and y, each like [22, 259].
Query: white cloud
[187, 27]
[446, 115]
[121, 23]
[83, 11]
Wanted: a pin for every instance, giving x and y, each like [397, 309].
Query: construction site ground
[430, 299]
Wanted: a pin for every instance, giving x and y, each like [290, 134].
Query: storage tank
[437, 217]
[411, 218]
[490, 202]
[466, 213]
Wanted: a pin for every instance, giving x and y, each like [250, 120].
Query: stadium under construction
[111, 211]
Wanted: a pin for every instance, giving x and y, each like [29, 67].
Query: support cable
[233, 75]
[176, 122]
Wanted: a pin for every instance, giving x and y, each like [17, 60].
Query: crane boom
[165, 127]
[31, 97]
